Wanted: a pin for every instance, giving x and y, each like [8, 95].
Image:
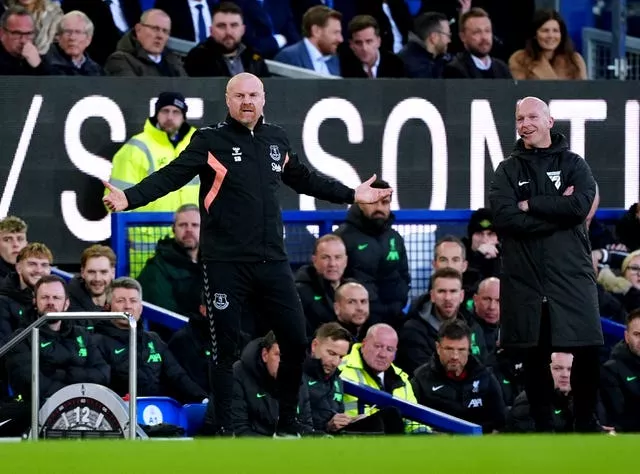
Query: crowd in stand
[482, 39]
[442, 351]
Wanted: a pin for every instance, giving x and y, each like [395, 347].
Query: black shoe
[291, 428]
[592, 425]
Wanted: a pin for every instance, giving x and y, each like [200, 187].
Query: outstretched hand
[116, 199]
[365, 194]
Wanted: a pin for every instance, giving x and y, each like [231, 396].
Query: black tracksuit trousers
[585, 378]
[227, 286]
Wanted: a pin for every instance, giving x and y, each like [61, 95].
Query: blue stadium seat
[195, 417]
[156, 410]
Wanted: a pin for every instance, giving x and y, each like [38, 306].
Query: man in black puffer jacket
[254, 408]
[377, 257]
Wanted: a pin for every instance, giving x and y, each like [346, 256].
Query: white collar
[314, 52]
[480, 64]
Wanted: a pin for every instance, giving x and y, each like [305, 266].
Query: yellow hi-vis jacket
[352, 369]
[143, 154]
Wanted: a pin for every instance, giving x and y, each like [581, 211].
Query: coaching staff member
[540, 197]
[241, 163]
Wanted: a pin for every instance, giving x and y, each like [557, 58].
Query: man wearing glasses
[18, 54]
[67, 57]
[141, 52]
[425, 54]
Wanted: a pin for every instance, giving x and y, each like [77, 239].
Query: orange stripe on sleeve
[221, 172]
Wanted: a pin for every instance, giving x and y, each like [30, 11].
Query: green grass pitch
[490, 454]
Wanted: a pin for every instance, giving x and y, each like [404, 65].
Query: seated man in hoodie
[13, 238]
[620, 379]
[254, 408]
[482, 247]
[68, 354]
[158, 371]
[16, 290]
[419, 334]
[456, 383]
[68, 56]
[88, 291]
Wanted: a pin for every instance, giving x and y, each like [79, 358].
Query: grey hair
[89, 28]
[127, 283]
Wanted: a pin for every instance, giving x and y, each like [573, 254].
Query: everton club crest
[274, 152]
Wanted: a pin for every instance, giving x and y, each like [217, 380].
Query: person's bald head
[379, 347]
[486, 301]
[351, 304]
[534, 122]
[245, 99]
[153, 30]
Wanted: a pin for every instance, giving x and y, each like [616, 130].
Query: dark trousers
[227, 287]
[538, 382]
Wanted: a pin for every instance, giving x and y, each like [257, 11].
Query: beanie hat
[171, 98]
[481, 220]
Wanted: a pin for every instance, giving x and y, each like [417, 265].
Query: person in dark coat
[486, 313]
[223, 53]
[68, 56]
[475, 62]
[482, 245]
[392, 39]
[425, 54]
[13, 238]
[254, 408]
[628, 228]
[456, 383]
[377, 257]
[18, 54]
[620, 381]
[540, 197]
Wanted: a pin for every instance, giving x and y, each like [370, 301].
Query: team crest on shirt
[220, 301]
[274, 152]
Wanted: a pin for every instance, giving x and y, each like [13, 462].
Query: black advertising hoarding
[436, 142]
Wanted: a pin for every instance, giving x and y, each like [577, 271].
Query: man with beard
[87, 291]
[224, 53]
[377, 257]
[16, 290]
[475, 62]
[13, 238]
[164, 137]
[171, 278]
[425, 54]
[322, 31]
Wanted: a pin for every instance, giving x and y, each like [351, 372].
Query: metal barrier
[33, 328]
[603, 63]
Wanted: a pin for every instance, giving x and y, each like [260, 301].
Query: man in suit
[224, 53]
[475, 62]
[364, 57]
[322, 32]
[393, 17]
[190, 19]
[270, 25]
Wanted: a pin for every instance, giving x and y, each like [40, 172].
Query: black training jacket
[620, 389]
[240, 173]
[325, 393]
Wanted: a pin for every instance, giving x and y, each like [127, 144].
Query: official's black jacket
[325, 393]
[545, 252]
[620, 389]
[254, 408]
[207, 60]
[317, 298]
[67, 356]
[158, 371]
[519, 419]
[240, 173]
[16, 307]
[377, 258]
[191, 347]
[477, 398]
[417, 337]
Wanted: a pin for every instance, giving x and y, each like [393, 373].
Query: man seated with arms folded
[454, 382]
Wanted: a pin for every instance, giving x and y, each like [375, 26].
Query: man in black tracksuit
[254, 408]
[456, 383]
[241, 163]
[540, 197]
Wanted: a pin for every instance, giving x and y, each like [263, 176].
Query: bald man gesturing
[540, 197]
[241, 163]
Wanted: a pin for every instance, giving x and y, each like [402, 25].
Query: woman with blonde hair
[46, 16]
[549, 52]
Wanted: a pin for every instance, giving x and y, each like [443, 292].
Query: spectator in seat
[482, 244]
[326, 395]
[16, 290]
[159, 373]
[46, 15]
[377, 257]
[628, 228]
[364, 58]
[318, 282]
[88, 291]
[419, 334]
[142, 51]
[449, 251]
[476, 62]
[172, 278]
[190, 19]
[18, 55]
[393, 17]
[68, 56]
[346, 7]
[625, 288]
[254, 408]
[352, 309]
[486, 312]
[68, 354]
[549, 53]
[322, 33]
[620, 379]
[224, 53]
[454, 382]
[425, 54]
[13, 238]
